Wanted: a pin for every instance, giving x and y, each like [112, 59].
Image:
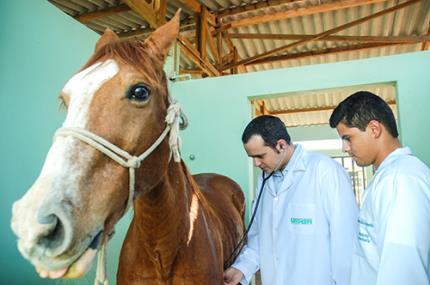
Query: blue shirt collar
[296, 162]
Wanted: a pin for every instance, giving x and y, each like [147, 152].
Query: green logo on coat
[301, 221]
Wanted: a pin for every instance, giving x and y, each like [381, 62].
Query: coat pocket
[301, 218]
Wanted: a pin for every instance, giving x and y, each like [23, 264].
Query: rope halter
[127, 160]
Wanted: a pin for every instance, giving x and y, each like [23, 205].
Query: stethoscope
[243, 240]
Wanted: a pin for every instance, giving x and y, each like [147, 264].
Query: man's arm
[405, 247]
[248, 261]
[342, 212]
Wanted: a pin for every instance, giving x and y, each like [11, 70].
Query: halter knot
[173, 113]
[133, 162]
[172, 120]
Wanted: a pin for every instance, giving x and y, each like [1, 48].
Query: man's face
[264, 157]
[360, 145]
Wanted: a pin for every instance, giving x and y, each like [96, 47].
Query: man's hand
[232, 276]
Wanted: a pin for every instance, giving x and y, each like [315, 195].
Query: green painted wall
[40, 48]
[310, 133]
[219, 108]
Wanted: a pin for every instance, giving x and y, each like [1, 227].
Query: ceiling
[220, 37]
[315, 107]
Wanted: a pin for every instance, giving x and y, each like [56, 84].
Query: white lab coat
[305, 225]
[393, 245]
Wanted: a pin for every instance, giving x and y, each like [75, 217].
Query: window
[359, 175]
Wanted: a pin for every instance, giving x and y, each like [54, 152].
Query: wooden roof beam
[201, 35]
[252, 6]
[212, 45]
[366, 39]
[153, 12]
[321, 35]
[87, 17]
[426, 45]
[260, 107]
[194, 56]
[192, 5]
[307, 8]
[196, 7]
[327, 51]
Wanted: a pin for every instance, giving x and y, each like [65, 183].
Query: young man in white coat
[306, 221]
[393, 241]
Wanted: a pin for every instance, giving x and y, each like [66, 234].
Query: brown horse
[184, 227]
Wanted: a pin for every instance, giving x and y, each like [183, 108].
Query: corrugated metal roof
[315, 107]
[413, 20]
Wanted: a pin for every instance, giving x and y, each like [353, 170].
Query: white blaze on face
[66, 162]
[80, 89]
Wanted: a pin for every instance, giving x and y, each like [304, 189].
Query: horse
[184, 226]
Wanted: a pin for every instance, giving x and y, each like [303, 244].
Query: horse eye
[139, 92]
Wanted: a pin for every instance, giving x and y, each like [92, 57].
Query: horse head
[117, 101]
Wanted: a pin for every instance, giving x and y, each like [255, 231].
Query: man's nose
[345, 146]
[257, 162]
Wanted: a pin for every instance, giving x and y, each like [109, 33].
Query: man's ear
[375, 128]
[281, 145]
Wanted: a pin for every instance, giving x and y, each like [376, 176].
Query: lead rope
[236, 251]
[129, 161]
[101, 275]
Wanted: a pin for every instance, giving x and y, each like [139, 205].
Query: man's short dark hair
[360, 108]
[270, 128]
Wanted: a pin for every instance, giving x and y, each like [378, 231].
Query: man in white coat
[306, 221]
[393, 241]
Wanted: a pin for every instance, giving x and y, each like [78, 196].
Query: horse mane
[136, 53]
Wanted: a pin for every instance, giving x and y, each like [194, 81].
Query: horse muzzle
[47, 238]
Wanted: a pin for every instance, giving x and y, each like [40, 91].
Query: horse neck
[161, 215]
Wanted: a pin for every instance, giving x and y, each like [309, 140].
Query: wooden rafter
[136, 33]
[220, 49]
[191, 71]
[212, 45]
[365, 39]
[336, 50]
[194, 56]
[426, 45]
[186, 27]
[87, 17]
[307, 8]
[321, 35]
[252, 6]
[233, 56]
[192, 5]
[201, 35]
[155, 16]
[260, 107]
[153, 12]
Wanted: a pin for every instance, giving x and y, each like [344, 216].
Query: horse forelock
[134, 53]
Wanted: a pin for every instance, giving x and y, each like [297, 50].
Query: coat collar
[282, 180]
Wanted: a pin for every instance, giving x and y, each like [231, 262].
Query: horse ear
[107, 37]
[162, 38]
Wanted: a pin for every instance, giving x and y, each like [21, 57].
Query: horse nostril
[54, 237]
